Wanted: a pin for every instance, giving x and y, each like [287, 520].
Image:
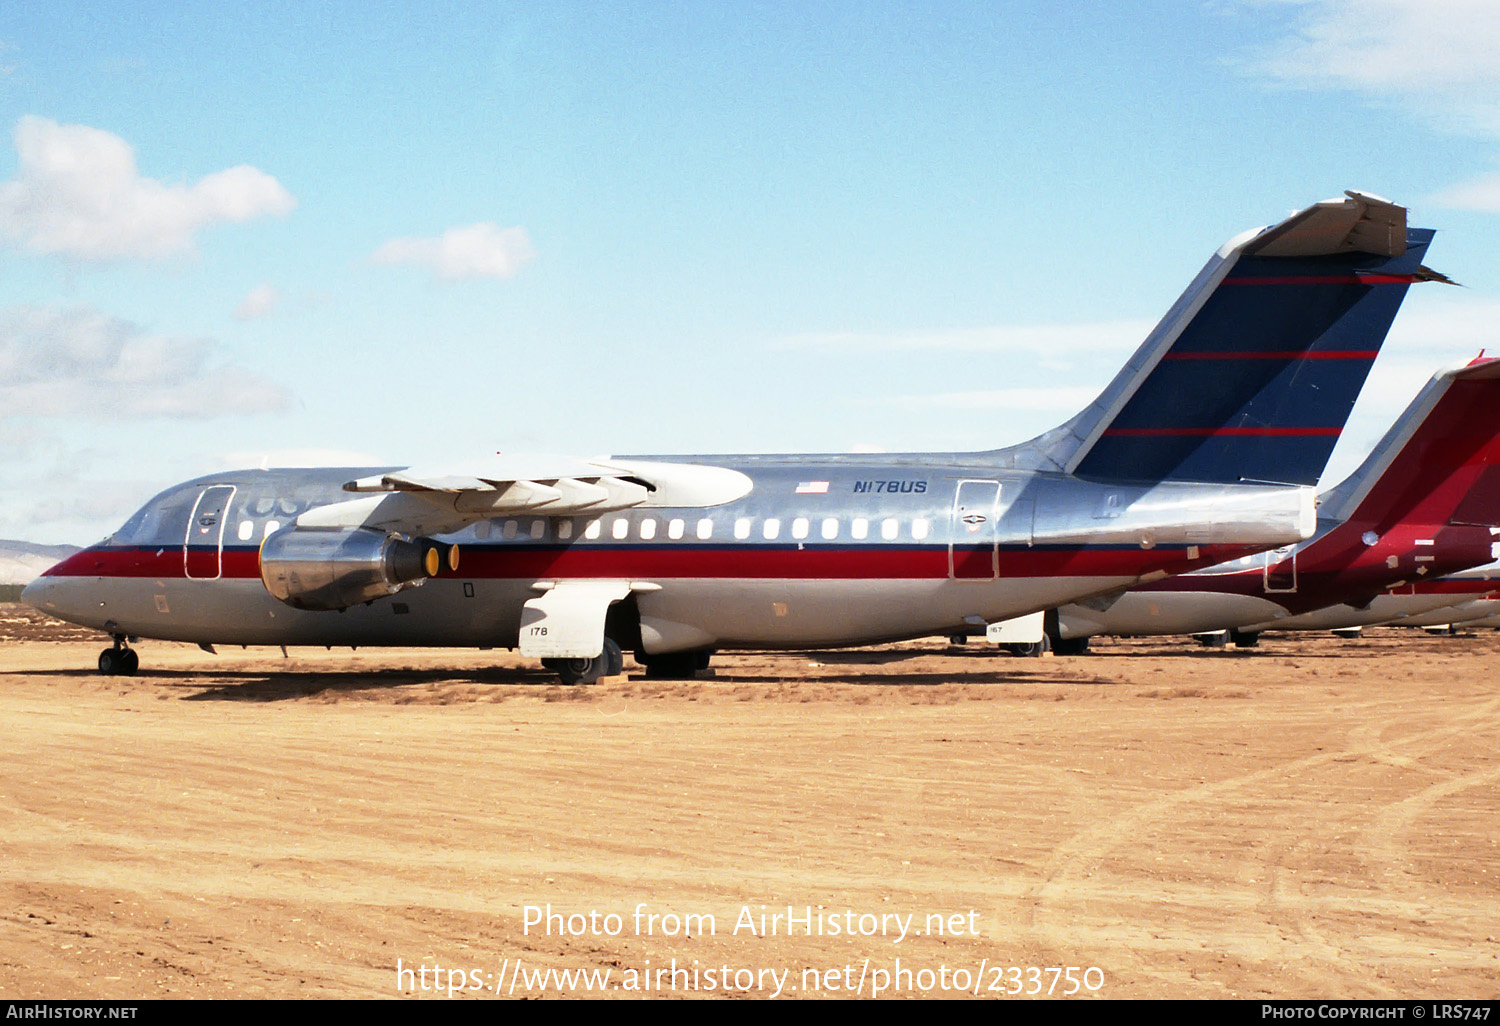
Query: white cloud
[261, 301]
[1414, 47]
[77, 193]
[80, 362]
[483, 250]
[1481, 194]
[1433, 58]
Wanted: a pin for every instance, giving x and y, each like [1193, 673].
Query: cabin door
[974, 532]
[203, 548]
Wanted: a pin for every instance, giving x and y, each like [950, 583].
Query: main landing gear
[674, 665]
[608, 663]
[120, 660]
[1222, 639]
[1029, 649]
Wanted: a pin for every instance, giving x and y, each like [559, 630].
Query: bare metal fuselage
[834, 551]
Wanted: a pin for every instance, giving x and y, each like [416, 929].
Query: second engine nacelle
[322, 568]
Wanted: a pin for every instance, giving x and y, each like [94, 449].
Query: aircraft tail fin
[1440, 461]
[1254, 370]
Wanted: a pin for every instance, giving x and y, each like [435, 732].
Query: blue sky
[383, 232]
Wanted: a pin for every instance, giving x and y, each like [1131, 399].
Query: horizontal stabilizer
[1369, 224]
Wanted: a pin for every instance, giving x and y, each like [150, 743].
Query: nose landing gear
[121, 660]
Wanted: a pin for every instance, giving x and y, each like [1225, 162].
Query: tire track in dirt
[1068, 879]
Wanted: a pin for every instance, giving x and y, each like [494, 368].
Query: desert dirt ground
[1313, 818]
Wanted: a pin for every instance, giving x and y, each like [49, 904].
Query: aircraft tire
[109, 662]
[1030, 649]
[1071, 646]
[608, 663]
[1218, 639]
[130, 662]
[614, 658]
[675, 665]
[1244, 639]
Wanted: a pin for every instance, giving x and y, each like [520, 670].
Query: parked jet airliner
[1201, 449]
[1420, 506]
[1468, 597]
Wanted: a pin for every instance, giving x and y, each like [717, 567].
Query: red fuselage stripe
[746, 563]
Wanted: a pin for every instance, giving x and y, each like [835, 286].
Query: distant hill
[21, 562]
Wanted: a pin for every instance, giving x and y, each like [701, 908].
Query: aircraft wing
[437, 500]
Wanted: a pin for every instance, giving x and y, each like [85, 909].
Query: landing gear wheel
[1244, 639]
[674, 665]
[119, 662]
[615, 659]
[1218, 639]
[608, 663]
[1029, 649]
[1071, 646]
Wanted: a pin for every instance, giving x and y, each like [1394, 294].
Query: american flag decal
[813, 488]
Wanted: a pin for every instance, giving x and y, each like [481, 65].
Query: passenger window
[860, 529]
[648, 529]
[620, 529]
[482, 530]
[799, 528]
[272, 526]
[538, 528]
[889, 528]
[705, 529]
[742, 528]
[830, 529]
[674, 529]
[246, 530]
[771, 528]
[564, 530]
[594, 529]
[919, 528]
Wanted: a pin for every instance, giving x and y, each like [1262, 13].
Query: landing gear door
[203, 548]
[567, 621]
[973, 534]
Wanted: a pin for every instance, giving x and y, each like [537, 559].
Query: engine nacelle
[322, 568]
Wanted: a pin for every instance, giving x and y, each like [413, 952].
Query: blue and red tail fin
[1439, 463]
[1252, 374]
